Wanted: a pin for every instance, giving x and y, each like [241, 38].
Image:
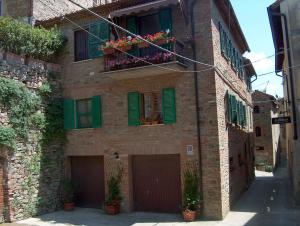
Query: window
[256, 109]
[152, 107]
[88, 41]
[84, 113]
[149, 24]
[258, 131]
[81, 45]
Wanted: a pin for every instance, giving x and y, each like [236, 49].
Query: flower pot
[125, 48]
[112, 209]
[69, 206]
[142, 45]
[189, 215]
[161, 42]
[108, 51]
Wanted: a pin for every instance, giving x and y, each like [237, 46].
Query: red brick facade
[219, 141]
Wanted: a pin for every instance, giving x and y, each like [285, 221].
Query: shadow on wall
[241, 162]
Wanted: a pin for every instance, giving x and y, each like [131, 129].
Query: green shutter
[169, 105]
[101, 31]
[234, 109]
[228, 106]
[222, 44]
[132, 27]
[96, 112]
[131, 24]
[241, 116]
[165, 19]
[69, 114]
[244, 116]
[133, 109]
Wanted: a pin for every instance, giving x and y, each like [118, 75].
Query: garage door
[156, 183]
[88, 175]
[1, 186]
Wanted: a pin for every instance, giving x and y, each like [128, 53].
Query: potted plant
[191, 195]
[114, 197]
[124, 44]
[140, 43]
[68, 195]
[108, 48]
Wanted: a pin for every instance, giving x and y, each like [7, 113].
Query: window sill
[152, 125]
[82, 129]
[82, 61]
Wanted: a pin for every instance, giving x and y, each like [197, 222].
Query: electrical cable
[138, 36]
[156, 65]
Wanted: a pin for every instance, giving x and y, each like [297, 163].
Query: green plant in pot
[68, 195]
[191, 195]
[114, 196]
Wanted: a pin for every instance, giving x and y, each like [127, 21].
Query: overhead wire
[139, 37]
[156, 65]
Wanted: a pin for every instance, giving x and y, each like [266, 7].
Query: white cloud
[263, 65]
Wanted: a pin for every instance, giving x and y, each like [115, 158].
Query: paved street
[267, 202]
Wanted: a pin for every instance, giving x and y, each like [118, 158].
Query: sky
[253, 18]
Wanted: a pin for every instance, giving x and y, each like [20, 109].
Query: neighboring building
[285, 25]
[156, 121]
[267, 146]
[31, 10]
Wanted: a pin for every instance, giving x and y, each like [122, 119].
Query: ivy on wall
[30, 110]
[35, 124]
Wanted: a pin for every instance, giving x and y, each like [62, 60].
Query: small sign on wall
[189, 150]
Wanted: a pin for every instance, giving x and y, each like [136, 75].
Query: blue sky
[253, 18]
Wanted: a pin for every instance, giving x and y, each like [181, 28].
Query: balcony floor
[145, 71]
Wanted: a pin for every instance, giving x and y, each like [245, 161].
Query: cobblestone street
[266, 203]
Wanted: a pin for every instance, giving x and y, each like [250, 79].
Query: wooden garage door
[88, 175]
[156, 183]
[1, 186]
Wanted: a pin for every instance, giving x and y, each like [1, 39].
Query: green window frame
[136, 108]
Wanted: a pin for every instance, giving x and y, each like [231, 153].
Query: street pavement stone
[268, 202]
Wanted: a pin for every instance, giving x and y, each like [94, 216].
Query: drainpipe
[290, 73]
[192, 20]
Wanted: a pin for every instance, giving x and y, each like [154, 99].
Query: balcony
[130, 66]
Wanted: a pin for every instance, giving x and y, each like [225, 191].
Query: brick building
[285, 25]
[156, 121]
[31, 10]
[267, 144]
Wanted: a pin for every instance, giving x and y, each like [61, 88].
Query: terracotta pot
[125, 48]
[112, 209]
[161, 42]
[189, 215]
[108, 51]
[142, 45]
[69, 206]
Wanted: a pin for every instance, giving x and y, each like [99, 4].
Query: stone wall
[33, 171]
[267, 145]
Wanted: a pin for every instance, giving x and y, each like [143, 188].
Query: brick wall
[269, 138]
[85, 79]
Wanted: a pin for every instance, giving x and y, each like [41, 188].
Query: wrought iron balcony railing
[119, 60]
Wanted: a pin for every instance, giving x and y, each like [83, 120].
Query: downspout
[193, 45]
[290, 73]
